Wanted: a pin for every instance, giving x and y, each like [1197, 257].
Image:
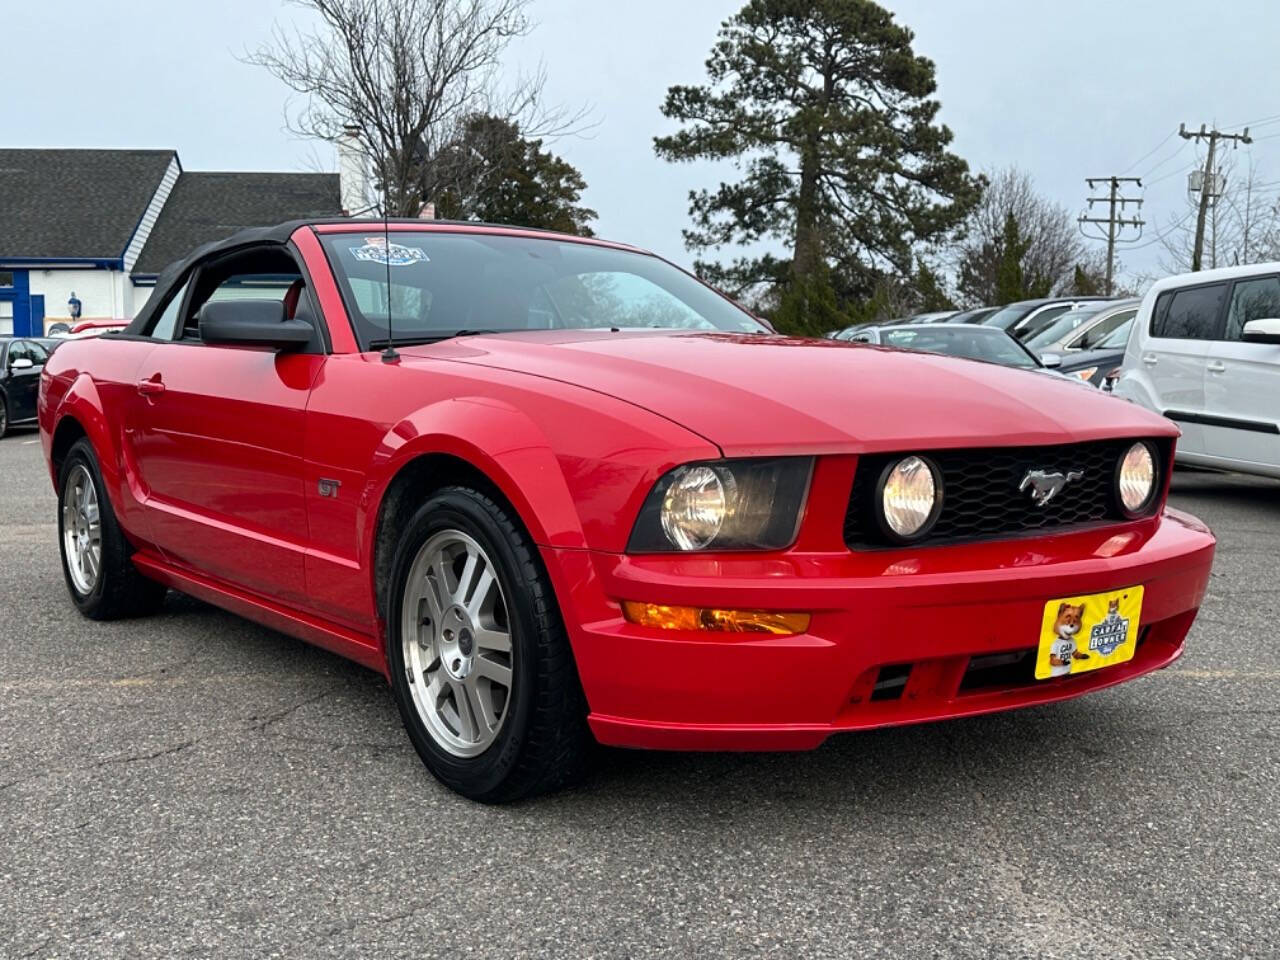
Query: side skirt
[359, 647]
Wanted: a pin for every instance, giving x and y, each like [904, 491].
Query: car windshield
[973, 343]
[976, 315]
[443, 284]
[1006, 317]
[1056, 331]
[1118, 338]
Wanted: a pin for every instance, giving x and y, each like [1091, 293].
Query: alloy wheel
[82, 530]
[456, 637]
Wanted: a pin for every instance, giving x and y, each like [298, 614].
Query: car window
[165, 326]
[37, 352]
[1032, 326]
[1119, 337]
[261, 272]
[1190, 314]
[1257, 299]
[1059, 328]
[432, 284]
[1100, 330]
[962, 341]
[613, 298]
[17, 351]
[1006, 317]
[252, 286]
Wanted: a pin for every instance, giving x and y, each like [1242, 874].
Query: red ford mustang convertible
[557, 489]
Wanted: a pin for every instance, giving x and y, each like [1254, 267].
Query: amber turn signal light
[665, 617]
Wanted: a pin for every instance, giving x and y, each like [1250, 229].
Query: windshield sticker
[377, 250]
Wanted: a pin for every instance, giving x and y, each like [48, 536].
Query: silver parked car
[1083, 328]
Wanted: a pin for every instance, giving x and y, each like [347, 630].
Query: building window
[6, 278]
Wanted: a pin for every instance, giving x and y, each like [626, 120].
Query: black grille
[981, 499]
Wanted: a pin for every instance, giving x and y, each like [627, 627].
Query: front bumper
[897, 637]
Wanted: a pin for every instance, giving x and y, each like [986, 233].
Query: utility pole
[1207, 184]
[1115, 223]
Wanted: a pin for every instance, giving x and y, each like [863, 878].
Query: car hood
[762, 395]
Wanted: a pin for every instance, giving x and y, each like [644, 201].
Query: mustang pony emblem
[1045, 485]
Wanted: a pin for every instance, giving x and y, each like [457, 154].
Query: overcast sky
[1063, 90]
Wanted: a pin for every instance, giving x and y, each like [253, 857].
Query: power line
[1149, 153]
[1176, 173]
[1260, 122]
[1161, 163]
[1161, 237]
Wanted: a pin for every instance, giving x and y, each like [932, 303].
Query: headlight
[910, 498]
[724, 505]
[1086, 374]
[695, 506]
[1136, 479]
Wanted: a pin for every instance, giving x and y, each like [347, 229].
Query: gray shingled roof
[211, 206]
[75, 203]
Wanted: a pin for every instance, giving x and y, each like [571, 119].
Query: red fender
[498, 440]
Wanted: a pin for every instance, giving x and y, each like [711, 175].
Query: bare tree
[1054, 246]
[406, 76]
[1243, 224]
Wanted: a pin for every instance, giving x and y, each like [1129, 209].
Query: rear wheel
[4, 418]
[96, 558]
[480, 663]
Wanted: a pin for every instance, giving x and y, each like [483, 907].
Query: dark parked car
[1100, 366]
[976, 315]
[1026, 318]
[972, 343]
[21, 360]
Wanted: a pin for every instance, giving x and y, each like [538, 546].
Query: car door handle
[150, 388]
[1150, 359]
[1216, 366]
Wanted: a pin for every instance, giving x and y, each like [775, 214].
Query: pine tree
[829, 114]
[1010, 282]
[509, 179]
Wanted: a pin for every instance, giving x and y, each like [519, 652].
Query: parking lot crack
[260, 724]
[153, 755]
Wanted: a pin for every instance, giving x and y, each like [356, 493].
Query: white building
[97, 226]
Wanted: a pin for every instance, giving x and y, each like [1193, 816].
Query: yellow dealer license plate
[1085, 633]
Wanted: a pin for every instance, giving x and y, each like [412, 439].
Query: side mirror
[1262, 331]
[1050, 360]
[21, 363]
[263, 323]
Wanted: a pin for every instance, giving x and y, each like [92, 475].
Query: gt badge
[327, 487]
[1044, 486]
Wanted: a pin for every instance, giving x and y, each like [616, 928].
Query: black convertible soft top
[173, 274]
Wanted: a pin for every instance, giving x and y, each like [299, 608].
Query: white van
[1205, 352]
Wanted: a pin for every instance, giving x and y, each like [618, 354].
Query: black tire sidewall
[82, 454]
[460, 509]
[4, 416]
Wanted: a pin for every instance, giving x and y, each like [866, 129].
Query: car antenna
[389, 355]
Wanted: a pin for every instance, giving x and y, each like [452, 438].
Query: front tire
[4, 417]
[96, 558]
[479, 659]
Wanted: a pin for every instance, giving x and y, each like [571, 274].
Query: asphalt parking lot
[195, 785]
